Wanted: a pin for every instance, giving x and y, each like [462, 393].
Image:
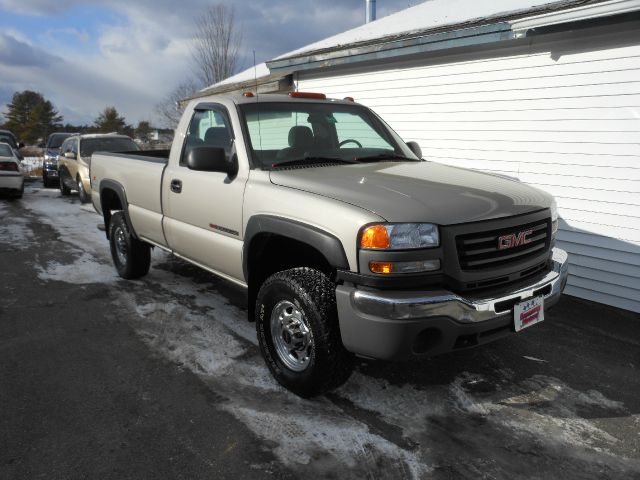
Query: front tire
[82, 193]
[131, 257]
[63, 188]
[298, 332]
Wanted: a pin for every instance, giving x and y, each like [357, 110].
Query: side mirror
[415, 148]
[41, 145]
[70, 155]
[211, 159]
[20, 145]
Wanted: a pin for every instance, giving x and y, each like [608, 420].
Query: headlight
[399, 236]
[554, 217]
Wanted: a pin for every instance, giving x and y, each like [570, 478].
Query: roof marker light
[247, 94]
[317, 96]
[348, 99]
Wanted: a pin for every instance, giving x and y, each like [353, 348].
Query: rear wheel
[82, 193]
[63, 188]
[131, 257]
[298, 332]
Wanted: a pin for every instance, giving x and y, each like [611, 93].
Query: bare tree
[169, 110]
[216, 44]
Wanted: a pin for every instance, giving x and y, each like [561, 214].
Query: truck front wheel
[298, 332]
[131, 257]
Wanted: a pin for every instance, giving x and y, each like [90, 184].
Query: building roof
[441, 24]
[428, 16]
[429, 26]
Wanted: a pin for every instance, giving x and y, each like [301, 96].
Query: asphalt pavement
[162, 378]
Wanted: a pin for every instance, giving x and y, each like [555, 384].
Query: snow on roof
[425, 16]
[429, 15]
[258, 71]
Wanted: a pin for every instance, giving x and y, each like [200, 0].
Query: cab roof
[241, 99]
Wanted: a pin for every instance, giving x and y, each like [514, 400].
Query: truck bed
[159, 156]
[139, 176]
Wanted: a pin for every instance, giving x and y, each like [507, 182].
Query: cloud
[17, 52]
[81, 35]
[36, 7]
[135, 56]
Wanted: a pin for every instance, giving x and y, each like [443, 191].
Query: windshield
[5, 150]
[289, 132]
[107, 144]
[4, 138]
[56, 139]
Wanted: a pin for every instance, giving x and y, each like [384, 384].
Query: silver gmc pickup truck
[347, 241]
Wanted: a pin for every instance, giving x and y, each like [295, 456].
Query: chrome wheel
[291, 335]
[82, 194]
[121, 246]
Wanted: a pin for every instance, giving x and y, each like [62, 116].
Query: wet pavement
[162, 378]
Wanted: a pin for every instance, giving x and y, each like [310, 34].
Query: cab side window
[64, 148]
[73, 146]
[209, 127]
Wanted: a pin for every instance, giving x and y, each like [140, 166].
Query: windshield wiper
[311, 161]
[386, 156]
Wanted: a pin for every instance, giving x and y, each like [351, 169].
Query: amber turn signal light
[381, 267]
[375, 236]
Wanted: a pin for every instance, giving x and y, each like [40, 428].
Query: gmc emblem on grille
[512, 240]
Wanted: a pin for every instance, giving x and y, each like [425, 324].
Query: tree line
[32, 118]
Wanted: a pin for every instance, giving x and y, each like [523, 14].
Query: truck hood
[418, 191]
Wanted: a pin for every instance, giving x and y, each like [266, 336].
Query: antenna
[255, 73]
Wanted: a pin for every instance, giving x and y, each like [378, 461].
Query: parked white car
[11, 175]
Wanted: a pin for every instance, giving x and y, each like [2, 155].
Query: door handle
[176, 186]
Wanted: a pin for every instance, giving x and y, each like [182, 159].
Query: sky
[84, 55]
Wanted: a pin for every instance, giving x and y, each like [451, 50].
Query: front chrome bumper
[381, 324]
[406, 305]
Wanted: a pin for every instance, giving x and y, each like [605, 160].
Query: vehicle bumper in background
[397, 325]
[50, 169]
[11, 182]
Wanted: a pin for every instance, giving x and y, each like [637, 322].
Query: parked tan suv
[75, 159]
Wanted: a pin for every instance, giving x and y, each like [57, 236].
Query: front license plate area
[528, 312]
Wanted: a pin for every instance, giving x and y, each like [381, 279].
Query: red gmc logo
[512, 240]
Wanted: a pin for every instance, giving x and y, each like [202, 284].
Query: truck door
[203, 212]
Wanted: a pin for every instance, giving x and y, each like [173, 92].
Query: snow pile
[31, 164]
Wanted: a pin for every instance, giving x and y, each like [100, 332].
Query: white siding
[566, 120]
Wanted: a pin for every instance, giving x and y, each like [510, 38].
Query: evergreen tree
[31, 116]
[110, 121]
[143, 131]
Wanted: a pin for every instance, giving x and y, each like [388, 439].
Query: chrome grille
[480, 250]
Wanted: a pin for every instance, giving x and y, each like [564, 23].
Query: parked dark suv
[50, 164]
[6, 136]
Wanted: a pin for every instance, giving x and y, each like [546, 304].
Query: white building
[546, 92]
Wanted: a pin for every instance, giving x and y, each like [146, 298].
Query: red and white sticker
[528, 313]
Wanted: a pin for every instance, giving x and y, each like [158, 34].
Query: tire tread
[335, 362]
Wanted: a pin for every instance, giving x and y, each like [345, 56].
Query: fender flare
[326, 243]
[118, 188]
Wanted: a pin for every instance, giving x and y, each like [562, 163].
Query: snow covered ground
[469, 416]
[31, 164]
